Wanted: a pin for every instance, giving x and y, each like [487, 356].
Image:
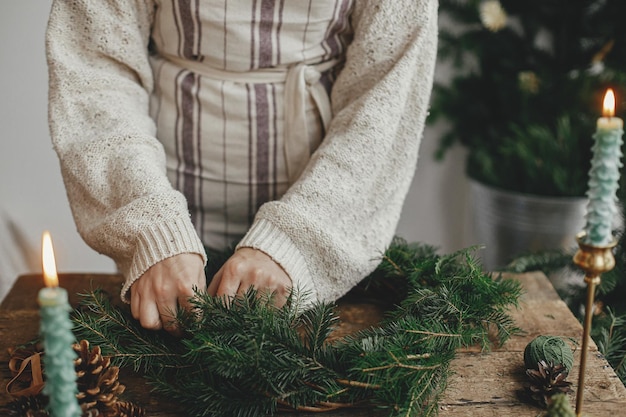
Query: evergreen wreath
[248, 358]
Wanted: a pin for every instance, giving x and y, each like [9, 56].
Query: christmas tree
[528, 87]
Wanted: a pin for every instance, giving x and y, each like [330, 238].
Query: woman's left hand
[249, 267]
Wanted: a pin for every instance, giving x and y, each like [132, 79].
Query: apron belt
[300, 80]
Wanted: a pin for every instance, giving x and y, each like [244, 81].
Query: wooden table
[483, 384]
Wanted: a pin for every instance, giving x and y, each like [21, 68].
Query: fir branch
[318, 323]
[357, 384]
[433, 334]
[248, 358]
[546, 261]
[609, 333]
[118, 335]
[416, 398]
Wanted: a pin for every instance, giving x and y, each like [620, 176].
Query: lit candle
[604, 175]
[56, 331]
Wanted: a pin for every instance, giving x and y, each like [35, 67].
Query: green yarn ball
[551, 349]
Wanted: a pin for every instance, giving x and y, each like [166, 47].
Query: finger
[170, 324]
[229, 287]
[201, 284]
[215, 282]
[184, 298]
[167, 308]
[279, 298]
[243, 285]
[149, 316]
[276, 293]
[135, 298]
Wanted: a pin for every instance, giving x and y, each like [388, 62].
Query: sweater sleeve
[332, 226]
[112, 165]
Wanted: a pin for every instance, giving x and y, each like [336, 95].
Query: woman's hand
[156, 295]
[247, 268]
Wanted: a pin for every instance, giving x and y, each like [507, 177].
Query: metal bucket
[509, 223]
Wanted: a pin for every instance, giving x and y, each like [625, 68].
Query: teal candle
[56, 332]
[604, 176]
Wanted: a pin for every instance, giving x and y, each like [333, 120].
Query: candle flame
[49, 265]
[608, 106]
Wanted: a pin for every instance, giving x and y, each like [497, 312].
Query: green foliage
[547, 261]
[609, 333]
[248, 358]
[560, 407]
[524, 99]
[117, 333]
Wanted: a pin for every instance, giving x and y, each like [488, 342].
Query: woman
[289, 127]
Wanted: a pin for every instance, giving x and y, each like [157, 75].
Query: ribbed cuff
[266, 237]
[160, 242]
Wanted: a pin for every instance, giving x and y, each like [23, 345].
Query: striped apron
[241, 100]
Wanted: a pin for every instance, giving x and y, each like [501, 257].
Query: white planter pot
[510, 223]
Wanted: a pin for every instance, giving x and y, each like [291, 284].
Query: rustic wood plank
[499, 380]
[483, 384]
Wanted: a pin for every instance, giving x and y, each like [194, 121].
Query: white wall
[31, 190]
[33, 199]
[436, 208]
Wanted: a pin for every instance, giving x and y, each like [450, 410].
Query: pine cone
[548, 380]
[28, 406]
[97, 381]
[127, 409]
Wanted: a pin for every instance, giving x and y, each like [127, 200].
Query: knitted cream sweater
[330, 228]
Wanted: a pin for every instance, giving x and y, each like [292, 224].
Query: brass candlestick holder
[594, 261]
